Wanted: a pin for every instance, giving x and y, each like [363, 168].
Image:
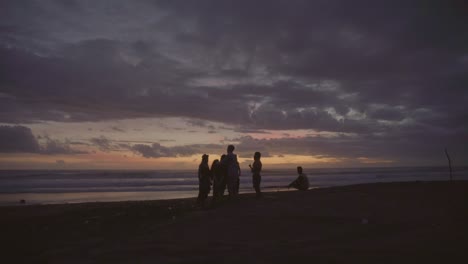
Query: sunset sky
[155, 84]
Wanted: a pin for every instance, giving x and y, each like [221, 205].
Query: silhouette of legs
[232, 186]
[256, 179]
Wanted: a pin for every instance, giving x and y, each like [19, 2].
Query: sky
[155, 84]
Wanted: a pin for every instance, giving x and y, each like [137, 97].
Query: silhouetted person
[216, 178]
[223, 172]
[204, 181]
[233, 170]
[301, 183]
[256, 169]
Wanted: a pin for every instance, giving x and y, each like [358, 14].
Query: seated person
[301, 183]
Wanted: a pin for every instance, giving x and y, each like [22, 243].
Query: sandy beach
[414, 222]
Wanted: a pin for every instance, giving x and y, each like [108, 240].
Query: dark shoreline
[374, 223]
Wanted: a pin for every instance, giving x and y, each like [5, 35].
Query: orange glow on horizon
[130, 161]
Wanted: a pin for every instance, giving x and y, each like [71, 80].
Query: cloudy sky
[155, 84]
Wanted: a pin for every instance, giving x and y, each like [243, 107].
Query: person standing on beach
[223, 175]
[301, 183]
[256, 169]
[216, 179]
[204, 180]
[233, 171]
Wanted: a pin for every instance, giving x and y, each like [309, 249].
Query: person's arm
[210, 174]
[253, 168]
[295, 182]
[237, 164]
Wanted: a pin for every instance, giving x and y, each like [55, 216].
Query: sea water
[44, 187]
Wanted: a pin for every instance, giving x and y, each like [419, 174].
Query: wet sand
[413, 222]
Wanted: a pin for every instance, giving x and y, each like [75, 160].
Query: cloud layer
[393, 74]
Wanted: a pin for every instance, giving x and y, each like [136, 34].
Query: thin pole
[450, 163]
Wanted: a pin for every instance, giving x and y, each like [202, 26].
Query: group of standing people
[225, 173]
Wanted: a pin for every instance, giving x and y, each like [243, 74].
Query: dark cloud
[107, 145]
[102, 143]
[250, 130]
[166, 140]
[21, 140]
[117, 129]
[17, 139]
[156, 150]
[197, 123]
[78, 143]
[55, 147]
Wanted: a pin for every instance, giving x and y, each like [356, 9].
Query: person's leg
[219, 186]
[259, 181]
[296, 185]
[232, 186]
[200, 197]
[199, 192]
[203, 198]
[256, 184]
[215, 188]
[222, 187]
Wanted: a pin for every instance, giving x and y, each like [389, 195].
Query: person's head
[257, 155]
[223, 157]
[204, 158]
[230, 148]
[215, 162]
[299, 169]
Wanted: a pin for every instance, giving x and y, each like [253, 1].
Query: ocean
[51, 187]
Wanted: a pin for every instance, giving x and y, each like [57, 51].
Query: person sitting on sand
[301, 183]
[256, 168]
[204, 180]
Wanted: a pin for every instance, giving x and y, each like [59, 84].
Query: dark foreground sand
[416, 222]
